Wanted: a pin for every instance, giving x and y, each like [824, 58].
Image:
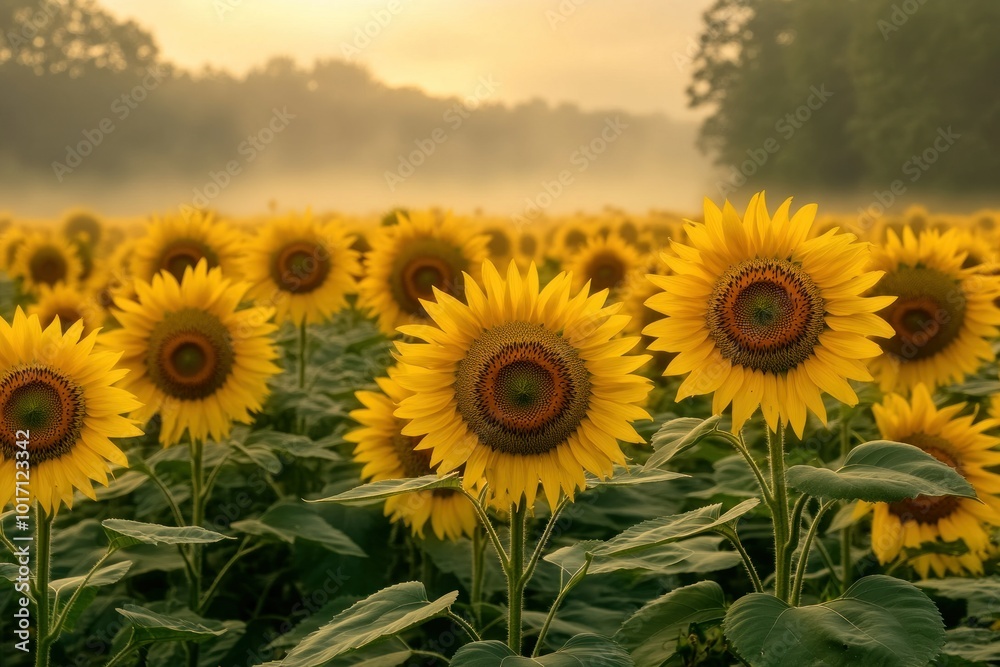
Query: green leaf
[982, 594]
[110, 574]
[587, 649]
[623, 476]
[880, 620]
[387, 612]
[149, 626]
[677, 435]
[378, 491]
[975, 644]
[261, 456]
[124, 533]
[882, 471]
[288, 521]
[657, 532]
[651, 633]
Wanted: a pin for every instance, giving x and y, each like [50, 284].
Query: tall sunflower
[70, 304]
[56, 395]
[604, 262]
[302, 267]
[944, 317]
[412, 259]
[522, 386]
[963, 444]
[197, 359]
[79, 224]
[174, 243]
[388, 454]
[45, 260]
[765, 317]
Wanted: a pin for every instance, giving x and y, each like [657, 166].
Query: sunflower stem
[779, 510]
[800, 568]
[730, 534]
[197, 518]
[515, 575]
[301, 422]
[563, 592]
[484, 520]
[60, 619]
[740, 446]
[845, 532]
[43, 572]
[544, 540]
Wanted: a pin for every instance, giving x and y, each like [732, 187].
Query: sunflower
[502, 245]
[44, 260]
[196, 358]
[571, 236]
[174, 243]
[944, 316]
[388, 454]
[603, 262]
[58, 392]
[302, 267]
[522, 386]
[765, 318]
[963, 445]
[411, 261]
[12, 239]
[112, 278]
[83, 225]
[70, 305]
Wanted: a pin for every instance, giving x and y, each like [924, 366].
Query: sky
[598, 54]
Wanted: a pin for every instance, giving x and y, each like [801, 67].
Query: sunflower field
[759, 437]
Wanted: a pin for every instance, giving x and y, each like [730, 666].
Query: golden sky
[598, 54]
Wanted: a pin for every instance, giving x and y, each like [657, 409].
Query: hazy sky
[596, 53]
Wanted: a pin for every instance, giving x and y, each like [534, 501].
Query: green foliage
[584, 649]
[879, 621]
[882, 471]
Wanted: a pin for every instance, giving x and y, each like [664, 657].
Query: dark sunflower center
[184, 253]
[48, 266]
[499, 244]
[929, 509]
[86, 225]
[606, 270]
[68, 316]
[574, 239]
[190, 355]
[528, 245]
[300, 267]
[415, 462]
[522, 389]
[766, 314]
[43, 403]
[927, 315]
[422, 266]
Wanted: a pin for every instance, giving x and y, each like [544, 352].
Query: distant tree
[892, 74]
[71, 36]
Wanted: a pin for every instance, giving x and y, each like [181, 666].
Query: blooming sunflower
[174, 243]
[196, 358]
[302, 267]
[58, 391]
[604, 262]
[522, 385]
[12, 239]
[944, 316]
[962, 444]
[388, 454]
[70, 305]
[44, 260]
[83, 225]
[765, 318]
[411, 260]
